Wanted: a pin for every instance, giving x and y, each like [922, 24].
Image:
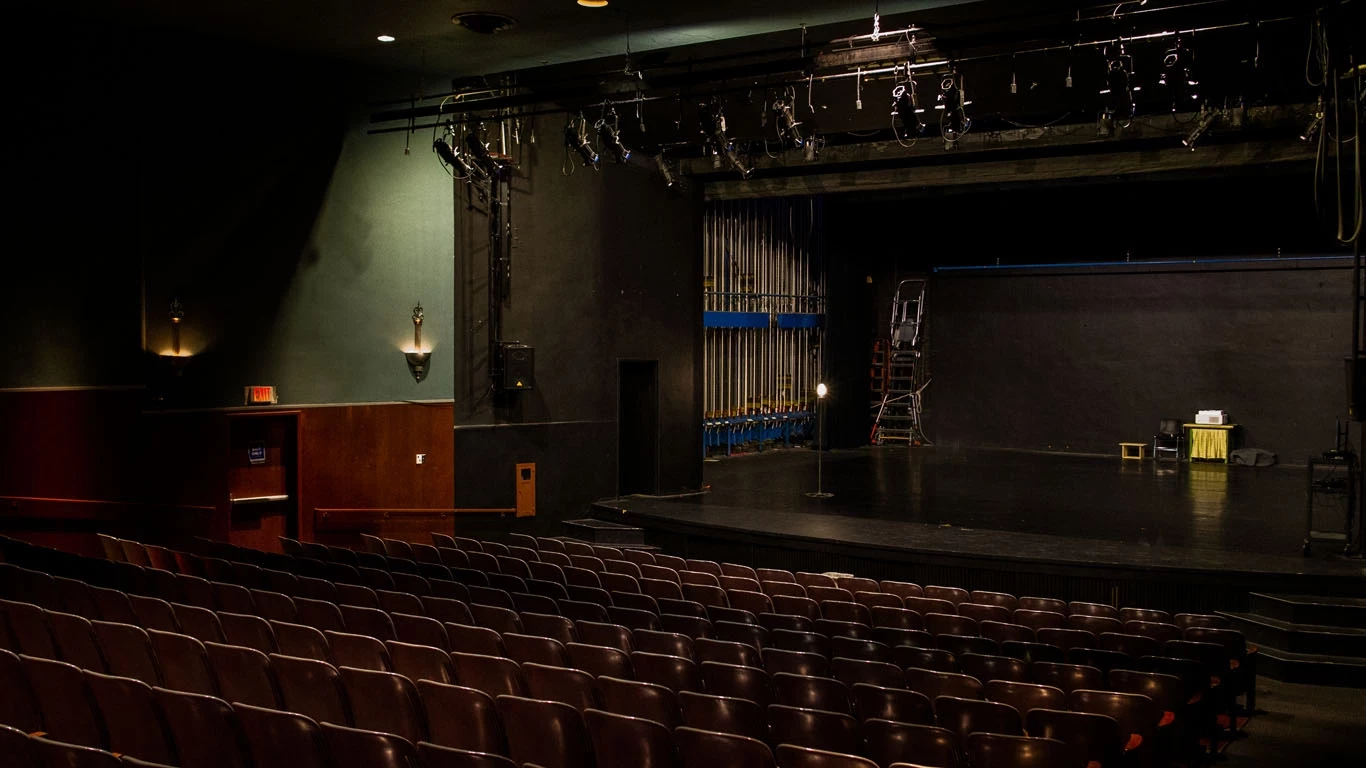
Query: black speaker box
[519, 367]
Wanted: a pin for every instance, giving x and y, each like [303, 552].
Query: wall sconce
[417, 358]
[176, 359]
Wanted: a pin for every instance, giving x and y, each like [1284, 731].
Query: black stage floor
[1010, 508]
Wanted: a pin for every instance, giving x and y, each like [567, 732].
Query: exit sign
[261, 396]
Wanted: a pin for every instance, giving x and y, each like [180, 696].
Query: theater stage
[1181, 536]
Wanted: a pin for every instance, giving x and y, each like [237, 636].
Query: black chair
[1170, 439]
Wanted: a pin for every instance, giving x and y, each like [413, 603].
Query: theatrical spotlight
[1118, 92]
[906, 111]
[1311, 131]
[787, 123]
[953, 120]
[610, 138]
[713, 120]
[666, 170]
[576, 139]
[479, 155]
[1178, 74]
[1202, 126]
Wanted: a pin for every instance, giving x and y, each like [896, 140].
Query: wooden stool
[1136, 451]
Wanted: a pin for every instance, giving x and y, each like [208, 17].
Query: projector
[1211, 417]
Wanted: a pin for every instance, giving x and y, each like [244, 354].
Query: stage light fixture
[822, 390]
[1118, 90]
[906, 110]
[1311, 131]
[576, 139]
[1202, 126]
[954, 122]
[610, 138]
[665, 170]
[713, 120]
[478, 154]
[787, 123]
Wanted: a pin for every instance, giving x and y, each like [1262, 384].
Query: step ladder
[899, 372]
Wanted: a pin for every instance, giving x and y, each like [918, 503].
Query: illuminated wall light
[386, 38]
[593, 3]
[417, 357]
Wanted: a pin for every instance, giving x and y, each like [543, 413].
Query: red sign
[261, 396]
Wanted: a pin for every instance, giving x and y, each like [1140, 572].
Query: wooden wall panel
[71, 444]
[363, 456]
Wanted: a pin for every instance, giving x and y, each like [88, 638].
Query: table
[1210, 442]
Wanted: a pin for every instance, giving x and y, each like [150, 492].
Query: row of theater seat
[646, 630]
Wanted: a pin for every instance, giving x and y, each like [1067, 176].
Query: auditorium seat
[719, 679]
[578, 576]
[986, 668]
[681, 607]
[233, 598]
[557, 683]
[772, 621]
[707, 749]
[420, 662]
[199, 623]
[127, 651]
[638, 556]
[383, 701]
[927, 605]
[950, 624]
[197, 591]
[692, 626]
[794, 662]
[114, 606]
[824, 693]
[632, 618]
[622, 568]
[316, 589]
[420, 630]
[959, 645]
[808, 580]
[205, 730]
[876, 702]
[545, 571]
[637, 699]
[829, 594]
[791, 756]
[835, 628]
[359, 651]
[935, 684]
[782, 589]
[1025, 696]
[980, 612]
[889, 743]
[753, 601]
[446, 610]
[739, 584]
[1101, 659]
[311, 688]
[775, 575]
[1137, 715]
[660, 588]
[937, 659]
[619, 582]
[1144, 614]
[853, 671]
[1167, 692]
[248, 631]
[1004, 632]
[29, 628]
[1065, 638]
[1095, 739]
[965, 716]
[1185, 620]
[1032, 652]
[1082, 608]
[866, 650]
[399, 602]
[744, 632]
[577, 610]
[1158, 631]
[436, 756]
[18, 706]
[452, 557]
[676, 674]
[660, 572]
[994, 750]
[183, 662]
[723, 714]
[546, 625]
[65, 704]
[491, 597]
[74, 597]
[59, 754]
[806, 642]
[75, 640]
[895, 618]
[281, 739]
[706, 594]
[542, 597]
[360, 748]
[878, 600]
[462, 718]
[301, 641]
[319, 614]
[605, 634]
[492, 675]
[814, 728]
[1133, 646]
[243, 675]
[535, 649]
[506, 582]
[668, 643]
[274, 606]
[547, 734]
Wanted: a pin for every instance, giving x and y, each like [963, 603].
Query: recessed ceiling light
[593, 3]
[385, 38]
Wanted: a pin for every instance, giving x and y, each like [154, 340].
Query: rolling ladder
[898, 371]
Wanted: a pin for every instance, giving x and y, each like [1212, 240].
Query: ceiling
[547, 32]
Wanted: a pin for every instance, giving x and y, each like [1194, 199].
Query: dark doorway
[638, 427]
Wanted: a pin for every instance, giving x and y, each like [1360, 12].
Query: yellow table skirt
[1210, 441]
